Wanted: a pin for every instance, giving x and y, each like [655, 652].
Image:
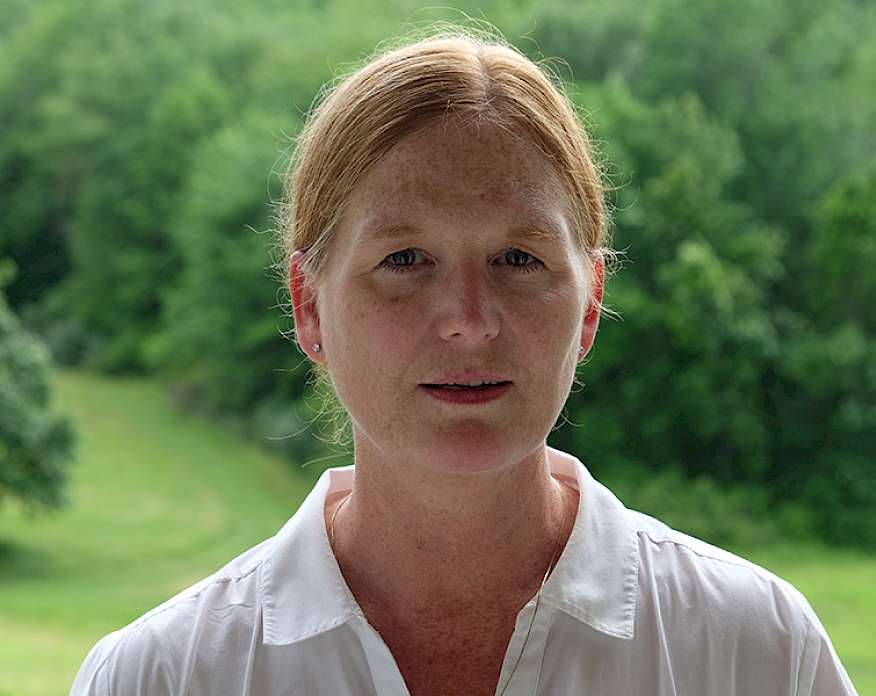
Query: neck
[418, 539]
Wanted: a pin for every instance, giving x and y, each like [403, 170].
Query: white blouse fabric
[631, 608]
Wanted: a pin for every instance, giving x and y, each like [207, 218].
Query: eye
[390, 262]
[402, 261]
[519, 255]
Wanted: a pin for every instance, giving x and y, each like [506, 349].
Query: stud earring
[317, 347]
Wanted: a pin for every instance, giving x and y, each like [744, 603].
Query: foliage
[138, 165]
[218, 333]
[745, 210]
[36, 446]
[697, 287]
[728, 516]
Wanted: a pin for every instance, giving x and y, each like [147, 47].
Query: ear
[591, 317]
[307, 327]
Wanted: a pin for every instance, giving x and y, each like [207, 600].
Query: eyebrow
[536, 233]
[528, 231]
[391, 232]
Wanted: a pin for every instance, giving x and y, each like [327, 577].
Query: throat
[409, 569]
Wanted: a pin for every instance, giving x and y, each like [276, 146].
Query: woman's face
[455, 254]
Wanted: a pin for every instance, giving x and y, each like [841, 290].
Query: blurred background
[155, 422]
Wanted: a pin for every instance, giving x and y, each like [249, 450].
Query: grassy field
[160, 500]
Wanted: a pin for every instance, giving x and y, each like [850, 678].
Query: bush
[738, 517]
[842, 496]
[36, 447]
[67, 338]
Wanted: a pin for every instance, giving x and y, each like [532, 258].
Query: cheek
[374, 335]
[385, 325]
[557, 319]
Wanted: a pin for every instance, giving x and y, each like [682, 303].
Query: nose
[468, 309]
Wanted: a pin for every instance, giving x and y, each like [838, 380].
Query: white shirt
[631, 608]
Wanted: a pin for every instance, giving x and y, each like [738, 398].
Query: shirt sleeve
[128, 662]
[92, 677]
[821, 672]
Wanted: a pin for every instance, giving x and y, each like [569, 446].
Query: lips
[464, 386]
[463, 396]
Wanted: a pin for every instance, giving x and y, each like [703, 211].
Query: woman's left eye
[517, 253]
[395, 262]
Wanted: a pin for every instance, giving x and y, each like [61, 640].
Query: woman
[447, 253]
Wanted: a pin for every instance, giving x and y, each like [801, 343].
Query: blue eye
[398, 268]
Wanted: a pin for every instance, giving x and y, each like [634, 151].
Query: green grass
[161, 500]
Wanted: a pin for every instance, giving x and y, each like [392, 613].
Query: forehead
[459, 170]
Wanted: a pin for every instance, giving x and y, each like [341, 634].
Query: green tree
[827, 411]
[37, 186]
[137, 116]
[677, 383]
[135, 190]
[745, 351]
[36, 446]
[219, 336]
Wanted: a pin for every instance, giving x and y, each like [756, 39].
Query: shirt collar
[303, 592]
[596, 577]
[302, 589]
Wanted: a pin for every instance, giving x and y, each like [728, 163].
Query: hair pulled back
[470, 74]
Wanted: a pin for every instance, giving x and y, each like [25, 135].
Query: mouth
[465, 387]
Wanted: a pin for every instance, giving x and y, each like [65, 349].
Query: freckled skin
[385, 333]
[451, 503]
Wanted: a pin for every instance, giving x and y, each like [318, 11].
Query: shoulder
[740, 618]
[688, 572]
[152, 655]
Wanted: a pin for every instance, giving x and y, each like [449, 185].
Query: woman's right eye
[396, 262]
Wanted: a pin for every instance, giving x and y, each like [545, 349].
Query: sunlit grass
[159, 500]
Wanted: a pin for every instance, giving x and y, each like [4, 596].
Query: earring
[316, 348]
